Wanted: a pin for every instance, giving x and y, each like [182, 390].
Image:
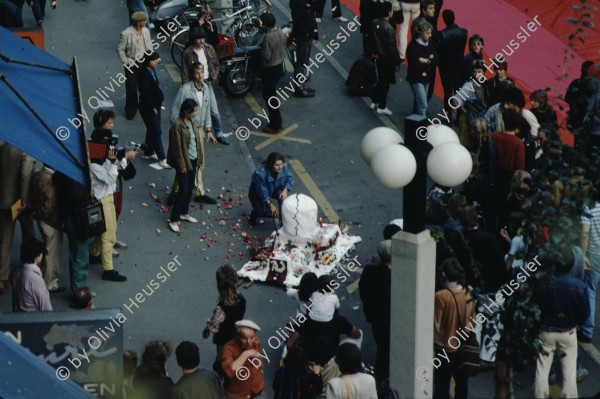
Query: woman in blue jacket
[272, 180]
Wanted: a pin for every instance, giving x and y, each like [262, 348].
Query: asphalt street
[322, 145]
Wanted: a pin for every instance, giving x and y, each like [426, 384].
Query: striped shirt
[591, 217]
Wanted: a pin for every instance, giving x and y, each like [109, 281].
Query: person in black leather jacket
[305, 33]
[382, 47]
[150, 102]
[450, 46]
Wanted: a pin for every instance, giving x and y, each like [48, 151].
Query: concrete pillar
[411, 336]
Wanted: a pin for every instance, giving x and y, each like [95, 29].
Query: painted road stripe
[275, 137]
[251, 101]
[286, 138]
[288, 64]
[174, 72]
[314, 191]
[591, 350]
[352, 287]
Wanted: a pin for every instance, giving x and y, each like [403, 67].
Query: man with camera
[105, 172]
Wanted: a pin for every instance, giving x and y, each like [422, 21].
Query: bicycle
[242, 31]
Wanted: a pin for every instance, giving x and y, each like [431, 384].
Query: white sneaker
[385, 111]
[340, 19]
[189, 218]
[163, 164]
[153, 157]
[174, 227]
[226, 134]
[318, 20]
[373, 106]
[120, 245]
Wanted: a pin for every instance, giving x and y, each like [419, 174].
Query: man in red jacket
[242, 363]
[511, 154]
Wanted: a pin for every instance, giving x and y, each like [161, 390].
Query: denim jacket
[265, 186]
[564, 304]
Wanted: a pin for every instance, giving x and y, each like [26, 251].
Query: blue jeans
[181, 206]
[420, 92]
[39, 9]
[153, 133]
[215, 117]
[79, 255]
[592, 277]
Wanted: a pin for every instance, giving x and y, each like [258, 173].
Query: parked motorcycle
[240, 72]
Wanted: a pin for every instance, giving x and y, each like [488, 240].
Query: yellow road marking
[288, 65]
[275, 137]
[258, 110]
[314, 191]
[251, 101]
[352, 287]
[174, 72]
[286, 138]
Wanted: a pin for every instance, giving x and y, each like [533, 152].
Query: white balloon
[377, 138]
[438, 134]
[449, 164]
[394, 166]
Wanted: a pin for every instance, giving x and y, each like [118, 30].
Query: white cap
[247, 323]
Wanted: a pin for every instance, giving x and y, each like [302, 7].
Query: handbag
[467, 354]
[129, 172]
[89, 220]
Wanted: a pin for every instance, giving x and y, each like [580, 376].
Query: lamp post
[404, 163]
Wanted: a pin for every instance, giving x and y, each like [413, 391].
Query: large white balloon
[377, 138]
[449, 164]
[438, 134]
[394, 166]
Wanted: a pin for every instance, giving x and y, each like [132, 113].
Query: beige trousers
[53, 239]
[104, 243]
[567, 343]
[410, 11]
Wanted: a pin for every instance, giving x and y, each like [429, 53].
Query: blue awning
[49, 89]
[24, 376]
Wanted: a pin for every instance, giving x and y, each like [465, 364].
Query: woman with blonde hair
[135, 44]
[230, 309]
[210, 28]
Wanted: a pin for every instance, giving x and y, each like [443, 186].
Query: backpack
[362, 77]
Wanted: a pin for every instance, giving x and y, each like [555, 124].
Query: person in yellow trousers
[104, 173]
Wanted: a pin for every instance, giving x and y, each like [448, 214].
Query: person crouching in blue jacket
[272, 180]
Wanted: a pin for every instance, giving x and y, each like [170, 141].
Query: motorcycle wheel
[178, 44]
[236, 80]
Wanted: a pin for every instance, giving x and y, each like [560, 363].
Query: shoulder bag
[89, 219]
[468, 352]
